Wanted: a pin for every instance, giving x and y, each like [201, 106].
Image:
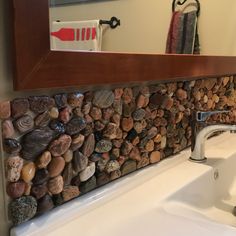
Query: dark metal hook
[180, 3]
[113, 22]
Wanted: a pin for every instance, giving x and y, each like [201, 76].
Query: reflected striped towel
[182, 37]
[76, 35]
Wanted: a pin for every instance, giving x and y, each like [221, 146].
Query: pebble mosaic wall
[57, 148]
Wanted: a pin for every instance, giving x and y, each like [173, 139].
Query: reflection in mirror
[145, 24]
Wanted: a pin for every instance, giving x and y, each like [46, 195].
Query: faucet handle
[203, 115]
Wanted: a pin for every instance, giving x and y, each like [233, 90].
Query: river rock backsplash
[58, 148]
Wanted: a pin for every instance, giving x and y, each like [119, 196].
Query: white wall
[145, 24]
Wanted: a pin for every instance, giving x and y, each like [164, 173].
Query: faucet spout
[198, 147]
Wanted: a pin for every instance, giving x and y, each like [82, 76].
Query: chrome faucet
[199, 136]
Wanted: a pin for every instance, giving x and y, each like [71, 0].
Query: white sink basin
[210, 196]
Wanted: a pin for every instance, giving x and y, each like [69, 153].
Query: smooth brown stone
[181, 94]
[44, 160]
[79, 161]
[38, 191]
[70, 192]
[127, 95]
[5, 110]
[68, 156]
[56, 166]
[14, 166]
[143, 162]
[127, 124]
[35, 142]
[7, 129]
[42, 120]
[19, 107]
[116, 119]
[96, 113]
[28, 172]
[75, 99]
[128, 109]
[59, 146]
[107, 113]
[65, 115]
[142, 101]
[86, 108]
[103, 98]
[135, 154]
[45, 204]
[89, 145]
[118, 92]
[156, 100]
[152, 132]
[126, 147]
[68, 174]
[15, 190]
[209, 83]
[128, 167]
[76, 181]
[155, 157]
[75, 125]
[40, 104]
[55, 185]
[24, 123]
[41, 177]
[77, 142]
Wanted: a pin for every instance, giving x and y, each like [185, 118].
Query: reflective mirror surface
[145, 24]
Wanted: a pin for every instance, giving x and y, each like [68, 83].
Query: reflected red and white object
[71, 34]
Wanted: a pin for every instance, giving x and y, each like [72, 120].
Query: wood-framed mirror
[36, 66]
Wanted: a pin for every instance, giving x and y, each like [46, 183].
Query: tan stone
[28, 172]
[56, 166]
[55, 185]
[44, 160]
[149, 146]
[155, 157]
[5, 110]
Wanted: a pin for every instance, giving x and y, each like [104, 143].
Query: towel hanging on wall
[76, 35]
[183, 31]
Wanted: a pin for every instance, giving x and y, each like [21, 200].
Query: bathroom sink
[211, 196]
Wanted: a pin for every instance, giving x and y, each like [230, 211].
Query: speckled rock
[110, 131]
[5, 110]
[102, 179]
[89, 145]
[79, 161]
[88, 185]
[61, 100]
[70, 192]
[16, 189]
[126, 148]
[103, 98]
[19, 107]
[42, 119]
[88, 172]
[115, 175]
[57, 126]
[56, 166]
[22, 209]
[75, 99]
[24, 123]
[45, 204]
[103, 145]
[59, 146]
[40, 104]
[112, 166]
[11, 146]
[55, 185]
[44, 160]
[35, 142]
[28, 172]
[77, 142]
[7, 129]
[41, 176]
[14, 166]
[128, 167]
[139, 114]
[38, 191]
[75, 125]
